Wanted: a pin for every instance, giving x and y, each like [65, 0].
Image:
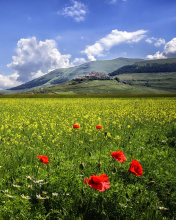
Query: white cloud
[34, 59]
[9, 81]
[160, 42]
[77, 11]
[157, 55]
[168, 52]
[150, 40]
[78, 61]
[157, 42]
[114, 38]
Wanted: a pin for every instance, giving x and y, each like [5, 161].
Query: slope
[65, 74]
[146, 83]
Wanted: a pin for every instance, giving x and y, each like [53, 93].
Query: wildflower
[98, 127]
[16, 186]
[54, 194]
[25, 197]
[29, 178]
[40, 197]
[100, 183]
[136, 168]
[76, 126]
[3, 202]
[38, 181]
[44, 192]
[10, 196]
[66, 194]
[119, 155]
[43, 159]
[163, 208]
[5, 191]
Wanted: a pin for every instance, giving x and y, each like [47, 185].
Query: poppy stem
[99, 164]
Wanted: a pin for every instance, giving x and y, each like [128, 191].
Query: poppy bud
[82, 192]
[148, 203]
[99, 164]
[115, 170]
[80, 201]
[105, 134]
[127, 195]
[81, 166]
[103, 213]
[151, 183]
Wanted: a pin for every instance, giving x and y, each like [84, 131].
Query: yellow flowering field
[144, 129]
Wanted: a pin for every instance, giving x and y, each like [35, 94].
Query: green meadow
[144, 128]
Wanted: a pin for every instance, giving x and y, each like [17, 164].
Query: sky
[38, 36]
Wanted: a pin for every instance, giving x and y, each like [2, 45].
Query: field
[143, 128]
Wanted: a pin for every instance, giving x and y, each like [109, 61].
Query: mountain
[148, 66]
[65, 74]
[145, 83]
[130, 76]
[149, 77]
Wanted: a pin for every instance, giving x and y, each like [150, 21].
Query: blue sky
[38, 36]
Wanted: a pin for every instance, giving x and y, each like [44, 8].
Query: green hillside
[65, 74]
[149, 66]
[145, 83]
[159, 61]
[127, 82]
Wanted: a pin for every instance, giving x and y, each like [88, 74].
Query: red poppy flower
[136, 168]
[100, 183]
[76, 126]
[98, 127]
[43, 159]
[119, 155]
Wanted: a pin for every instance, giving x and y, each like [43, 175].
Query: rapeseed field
[88, 158]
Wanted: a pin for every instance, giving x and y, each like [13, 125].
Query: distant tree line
[149, 68]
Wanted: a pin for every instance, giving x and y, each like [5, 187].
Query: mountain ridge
[65, 74]
[63, 80]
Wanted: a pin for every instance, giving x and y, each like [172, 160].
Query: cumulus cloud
[150, 40]
[114, 38]
[9, 81]
[168, 52]
[157, 42]
[77, 11]
[34, 59]
[160, 42]
[78, 61]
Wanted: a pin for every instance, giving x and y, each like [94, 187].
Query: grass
[143, 128]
